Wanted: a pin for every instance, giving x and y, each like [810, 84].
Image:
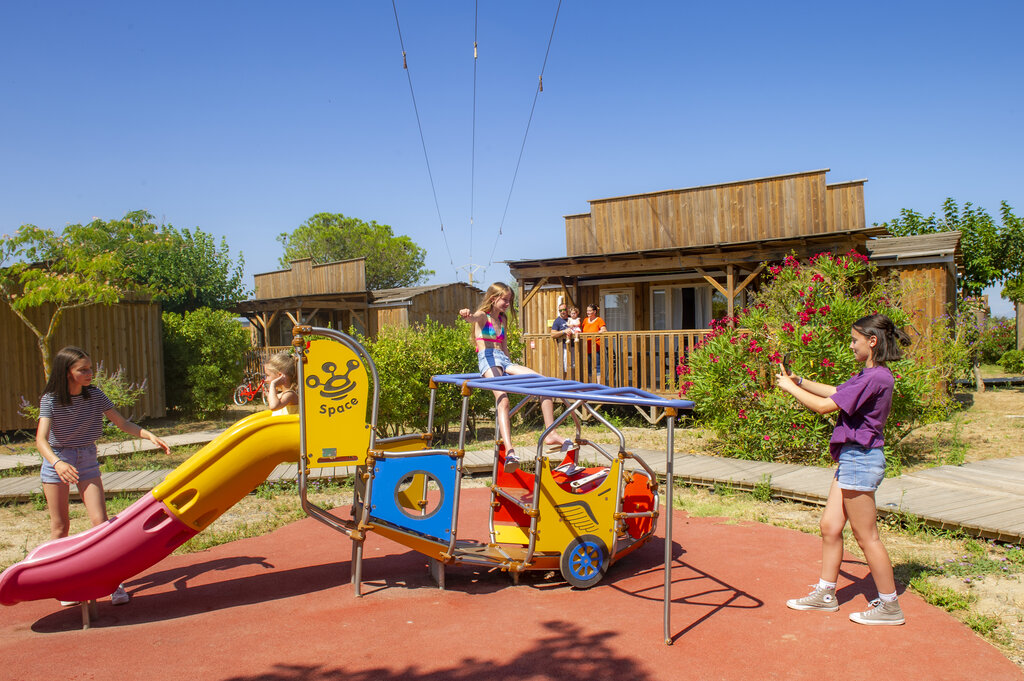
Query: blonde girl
[489, 322]
[71, 413]
[279, 384]
[863, 403]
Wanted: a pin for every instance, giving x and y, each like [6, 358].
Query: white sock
[822, 584]
[887, 598]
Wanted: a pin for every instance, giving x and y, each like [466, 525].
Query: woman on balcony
[593, 324]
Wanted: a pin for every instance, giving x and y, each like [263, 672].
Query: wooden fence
[127, 335]
[257, 357]
[636, 359]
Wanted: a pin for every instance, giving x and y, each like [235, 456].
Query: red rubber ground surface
[280, 607]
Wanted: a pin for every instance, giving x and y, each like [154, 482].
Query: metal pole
[669, 467]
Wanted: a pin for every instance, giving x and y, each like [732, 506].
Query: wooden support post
[533, 291]
[1020, 326]
[730, 284]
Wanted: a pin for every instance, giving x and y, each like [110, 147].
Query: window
[680, 307]
[617, 309]
[720, 308]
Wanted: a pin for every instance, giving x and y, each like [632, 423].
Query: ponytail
[888, 338]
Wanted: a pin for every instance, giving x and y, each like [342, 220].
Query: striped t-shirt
[78, 424]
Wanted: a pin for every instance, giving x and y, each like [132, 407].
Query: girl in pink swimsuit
[492, 359]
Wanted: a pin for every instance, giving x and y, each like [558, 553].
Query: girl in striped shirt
[71, 415]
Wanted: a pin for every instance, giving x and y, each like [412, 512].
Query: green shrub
[804, 311]
[204, 359]
[1012, 362]
[406, 358]
[998, 335]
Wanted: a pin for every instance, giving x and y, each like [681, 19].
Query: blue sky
[246, 118]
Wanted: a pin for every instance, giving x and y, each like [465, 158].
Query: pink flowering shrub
[803, 311]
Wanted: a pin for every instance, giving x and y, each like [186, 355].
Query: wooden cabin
[662, 265]
[334, 295]
[414, 304]
[331, 295]
[928, 265]
[127, 335]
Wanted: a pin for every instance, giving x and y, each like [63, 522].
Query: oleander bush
[803, 312]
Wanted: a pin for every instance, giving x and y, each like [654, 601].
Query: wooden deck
[984, 498]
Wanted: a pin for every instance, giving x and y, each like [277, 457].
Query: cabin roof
[749, 251]
[719, 185]
[403, 294]
[893, 250]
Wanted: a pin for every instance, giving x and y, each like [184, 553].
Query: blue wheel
[584, 561]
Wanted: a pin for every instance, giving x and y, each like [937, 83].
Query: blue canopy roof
[557, 388]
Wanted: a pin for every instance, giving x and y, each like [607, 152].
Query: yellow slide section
[217, 476]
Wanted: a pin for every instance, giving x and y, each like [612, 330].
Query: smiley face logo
[335, 386]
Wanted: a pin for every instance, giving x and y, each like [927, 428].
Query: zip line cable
[472, 181]
[472, 154]
[408, 73]
[540, 89]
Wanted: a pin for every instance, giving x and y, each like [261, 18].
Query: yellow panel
[335, 400]
[232, 465]
[414, 497]
[564, 515]
[510, 534]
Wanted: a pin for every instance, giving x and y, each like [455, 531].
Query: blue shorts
[490, 358]
[82, 458]
[860, 470]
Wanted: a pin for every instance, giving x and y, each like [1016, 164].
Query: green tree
[980, 240]
[391, 261]
[186, 270]
[44, 274]
[1012, 254]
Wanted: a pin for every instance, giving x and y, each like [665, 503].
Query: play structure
[567, 515]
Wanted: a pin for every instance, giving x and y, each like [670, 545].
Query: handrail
[646, 360]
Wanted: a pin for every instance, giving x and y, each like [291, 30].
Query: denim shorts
[490, 358]
[82, 458]
[860, 469]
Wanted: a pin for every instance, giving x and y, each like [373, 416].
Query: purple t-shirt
[864, 403]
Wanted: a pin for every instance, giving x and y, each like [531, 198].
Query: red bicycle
[247, 392]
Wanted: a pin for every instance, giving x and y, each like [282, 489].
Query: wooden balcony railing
[636, 359]
[257, 357]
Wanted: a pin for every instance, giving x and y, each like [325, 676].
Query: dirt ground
[992, 426]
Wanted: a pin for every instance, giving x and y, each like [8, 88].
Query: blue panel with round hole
[392, 481]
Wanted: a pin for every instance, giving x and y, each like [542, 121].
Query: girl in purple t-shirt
[856, 445]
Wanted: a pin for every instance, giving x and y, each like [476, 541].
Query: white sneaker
[68, 604]
[120, 596]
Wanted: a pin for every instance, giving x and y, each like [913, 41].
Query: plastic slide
[91, 564]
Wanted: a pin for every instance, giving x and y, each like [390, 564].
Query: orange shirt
[587, 326]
